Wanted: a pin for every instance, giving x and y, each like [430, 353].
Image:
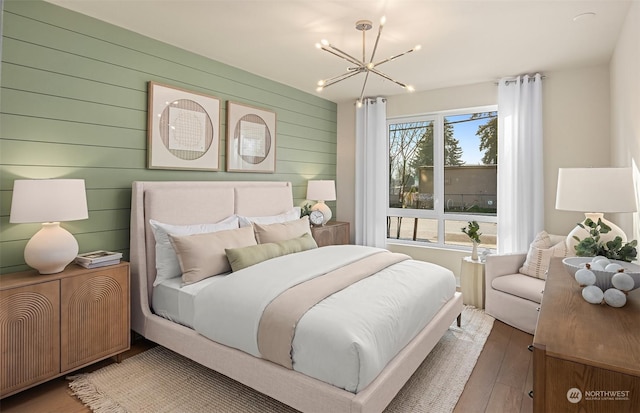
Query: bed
[175, 321]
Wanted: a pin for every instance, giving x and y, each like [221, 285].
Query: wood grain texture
[486, 390]
[54, 396]
[53, 324]
[29, 335]
[95, 317]
[592, 348]
[332, 233]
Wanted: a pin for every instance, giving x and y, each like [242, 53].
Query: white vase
[474, 251]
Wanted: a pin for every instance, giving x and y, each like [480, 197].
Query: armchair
[513, 297]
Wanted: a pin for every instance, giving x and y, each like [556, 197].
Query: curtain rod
[513, 79]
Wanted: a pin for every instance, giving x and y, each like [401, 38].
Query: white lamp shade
[322, 190]
[48, 200]
[596, 190]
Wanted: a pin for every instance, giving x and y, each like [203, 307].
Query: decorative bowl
[603, 278]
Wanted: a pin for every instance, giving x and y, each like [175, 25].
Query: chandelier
[361, 66]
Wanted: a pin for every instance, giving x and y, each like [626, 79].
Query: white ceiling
[463, 42]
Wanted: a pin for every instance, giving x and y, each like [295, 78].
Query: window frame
[438, 212]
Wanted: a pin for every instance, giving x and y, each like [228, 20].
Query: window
[443, 173]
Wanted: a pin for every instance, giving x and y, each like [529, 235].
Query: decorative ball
[592, 294]
[597, 266]
[603, 261]
[613, 267]
[585, 277]
[623, 281]
[615, 298]
[598, 258]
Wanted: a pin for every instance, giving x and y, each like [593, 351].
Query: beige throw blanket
[279, 319]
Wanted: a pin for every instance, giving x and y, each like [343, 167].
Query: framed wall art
[251, 139]
[183, 129]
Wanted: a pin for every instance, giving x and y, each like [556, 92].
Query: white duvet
[346, 339]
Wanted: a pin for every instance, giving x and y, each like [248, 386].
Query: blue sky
[465, 132]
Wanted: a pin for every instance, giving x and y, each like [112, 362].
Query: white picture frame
[251, 139]
[183, 129]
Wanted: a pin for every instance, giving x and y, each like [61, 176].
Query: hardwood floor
[503, 375]
[500, 382]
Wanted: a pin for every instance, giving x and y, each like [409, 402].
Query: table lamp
[320, 191]
[595, 191]
[49, 201]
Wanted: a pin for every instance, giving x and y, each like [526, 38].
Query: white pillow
[291, 215]
[540, 253]
[167, 265]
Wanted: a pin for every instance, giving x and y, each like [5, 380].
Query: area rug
[161, 381]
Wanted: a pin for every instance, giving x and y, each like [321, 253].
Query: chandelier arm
[375, 46]
[346, 56]
[336, 79]
[393, 57]
[363, 86]
[379, 73]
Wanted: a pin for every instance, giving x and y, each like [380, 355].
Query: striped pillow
[540, 253]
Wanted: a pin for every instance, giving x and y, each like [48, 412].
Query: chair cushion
[520, 285]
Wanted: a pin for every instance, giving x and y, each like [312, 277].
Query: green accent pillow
[244, 257]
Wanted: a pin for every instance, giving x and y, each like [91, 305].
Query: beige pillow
[240, 258]
[202, 255]
[540, 253]
[281, 231]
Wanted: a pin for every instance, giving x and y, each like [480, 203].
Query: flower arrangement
[592, 246]
[472, 230]
[305, 208]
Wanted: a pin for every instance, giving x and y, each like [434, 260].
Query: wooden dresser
[332, 233]
[586, 357]
[53, 324]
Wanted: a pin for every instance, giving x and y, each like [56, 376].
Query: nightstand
[54, 324]
[331, 233]
[472, 282]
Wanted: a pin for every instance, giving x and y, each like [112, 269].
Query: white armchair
[511, 297]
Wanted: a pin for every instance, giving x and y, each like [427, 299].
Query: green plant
[592, 245]
[472, 230]
[305, 208]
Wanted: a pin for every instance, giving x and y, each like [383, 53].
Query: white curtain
[371, 173]
[520, 174]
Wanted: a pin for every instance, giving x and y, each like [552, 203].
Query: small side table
[472, 282]
[331, 233]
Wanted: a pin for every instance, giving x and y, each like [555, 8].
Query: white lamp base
[51, 249]
[326, 211]
[582, 233]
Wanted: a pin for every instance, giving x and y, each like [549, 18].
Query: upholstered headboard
[190, 202]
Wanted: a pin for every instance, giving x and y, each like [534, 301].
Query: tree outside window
[443, 171]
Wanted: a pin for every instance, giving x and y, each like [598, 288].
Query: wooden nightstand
[331, 233]
[54, 324]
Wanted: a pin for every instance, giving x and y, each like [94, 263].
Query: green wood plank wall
[73, 104]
